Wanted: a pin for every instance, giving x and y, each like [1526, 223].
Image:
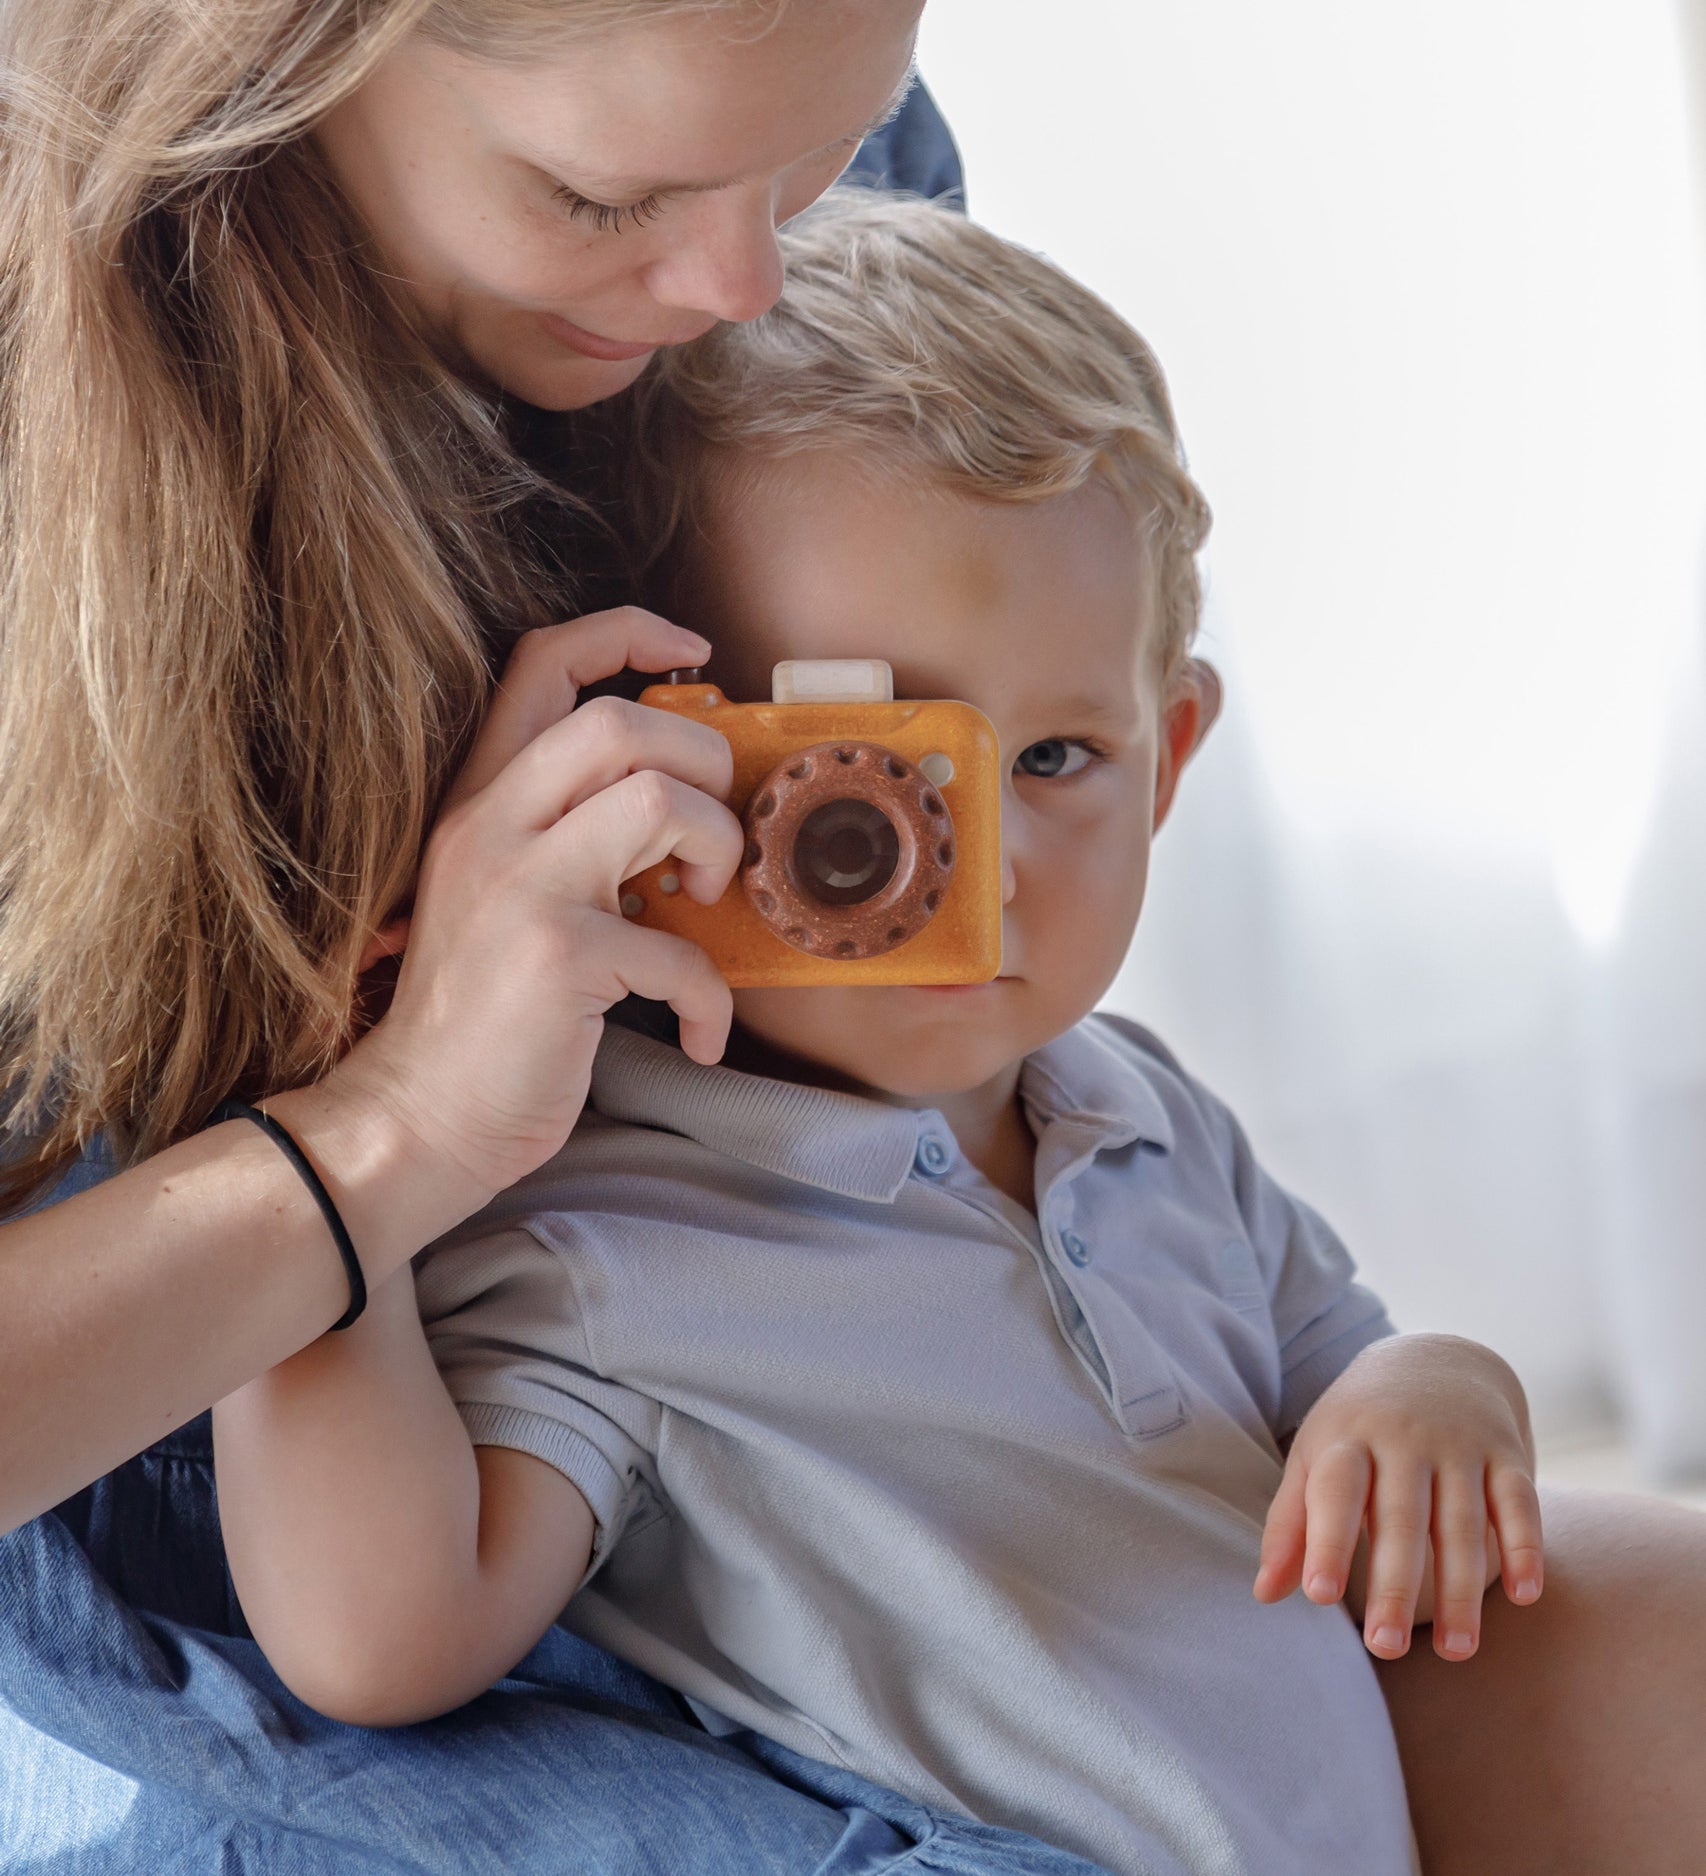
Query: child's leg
[1571, 1744]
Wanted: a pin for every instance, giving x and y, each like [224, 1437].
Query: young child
[927, 1385]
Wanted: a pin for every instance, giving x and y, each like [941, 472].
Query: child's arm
[1423, 1437]
[390, 1569]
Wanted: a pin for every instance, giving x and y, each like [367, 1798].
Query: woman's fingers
[1336, 1496]
[1460, 1560]
[1283, 1538]
[1515, 1507]
[601, 743]
[637, 822]
[547, 671]
[660, 771]
[668, 969]
[1398, 1548]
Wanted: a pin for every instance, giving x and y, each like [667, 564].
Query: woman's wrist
[394, 1193]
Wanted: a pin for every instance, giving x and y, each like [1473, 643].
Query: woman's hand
[516, 945]
[1424, 1439]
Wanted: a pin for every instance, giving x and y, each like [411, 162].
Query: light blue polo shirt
[915, 1481]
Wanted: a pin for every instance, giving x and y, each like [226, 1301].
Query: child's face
[1040, 614]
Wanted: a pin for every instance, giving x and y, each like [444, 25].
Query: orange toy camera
[873, 835]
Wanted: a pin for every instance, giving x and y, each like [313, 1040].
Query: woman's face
[558, 220]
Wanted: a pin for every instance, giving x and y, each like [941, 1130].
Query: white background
[1428, 285]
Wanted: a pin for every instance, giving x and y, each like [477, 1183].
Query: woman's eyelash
[605, 218]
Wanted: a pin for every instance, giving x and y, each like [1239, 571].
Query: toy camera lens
[845, 852]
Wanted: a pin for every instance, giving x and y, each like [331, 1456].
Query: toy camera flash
[873, 834]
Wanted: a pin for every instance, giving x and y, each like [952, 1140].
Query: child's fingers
[1282, 1540]
[1336, 1497]
[1398, 1532]
[1460, 1560]
[1515, 1506]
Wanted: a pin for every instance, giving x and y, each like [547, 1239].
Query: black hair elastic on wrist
[239, 1110]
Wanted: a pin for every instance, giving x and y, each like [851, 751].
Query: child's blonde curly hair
[924, 347]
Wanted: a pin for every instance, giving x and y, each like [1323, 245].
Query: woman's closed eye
[1058, 756]
[608, 217]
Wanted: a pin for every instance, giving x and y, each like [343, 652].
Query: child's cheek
[1080, 894]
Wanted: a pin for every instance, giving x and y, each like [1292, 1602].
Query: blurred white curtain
[1428, 285]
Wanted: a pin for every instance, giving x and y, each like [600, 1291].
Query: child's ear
[1189, 706]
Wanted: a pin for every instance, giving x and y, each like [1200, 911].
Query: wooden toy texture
[960, 943]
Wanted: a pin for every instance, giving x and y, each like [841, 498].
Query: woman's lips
[615, 351]
[592, 344]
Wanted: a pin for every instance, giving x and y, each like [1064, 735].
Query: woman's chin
[574, 383]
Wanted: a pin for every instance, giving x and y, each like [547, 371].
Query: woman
[276, 276]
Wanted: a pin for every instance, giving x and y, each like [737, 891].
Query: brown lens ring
[810, 780]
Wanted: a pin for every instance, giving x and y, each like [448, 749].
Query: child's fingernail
[1387, 1637]
[1322, 1588]
[1460, 1644]
[1526, 1590]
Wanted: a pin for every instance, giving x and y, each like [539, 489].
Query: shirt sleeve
[1323, 1318]
[504, 1327]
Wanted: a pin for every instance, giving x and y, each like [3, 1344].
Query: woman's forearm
[130, 1308]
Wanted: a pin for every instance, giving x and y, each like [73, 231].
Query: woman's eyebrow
[629, 188]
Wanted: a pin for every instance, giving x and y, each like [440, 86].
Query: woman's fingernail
[1322, 1588]
[1387, 1637]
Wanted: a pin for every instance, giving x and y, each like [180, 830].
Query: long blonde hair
[259, 554]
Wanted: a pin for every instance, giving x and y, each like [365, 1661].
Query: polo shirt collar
[844, 1143]
[1089, 1083]
[1080, 1087]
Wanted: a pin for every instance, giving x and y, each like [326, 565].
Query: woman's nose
[726, 261]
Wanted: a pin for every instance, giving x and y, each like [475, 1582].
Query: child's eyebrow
[1087, 709]
[628, 187]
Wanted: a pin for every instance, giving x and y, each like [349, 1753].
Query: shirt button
[933, 1155]
[1077, 1251]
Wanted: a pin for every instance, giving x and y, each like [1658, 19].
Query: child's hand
[1422, 1437]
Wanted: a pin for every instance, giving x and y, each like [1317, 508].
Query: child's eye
[605, 217]
[1057, 756]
